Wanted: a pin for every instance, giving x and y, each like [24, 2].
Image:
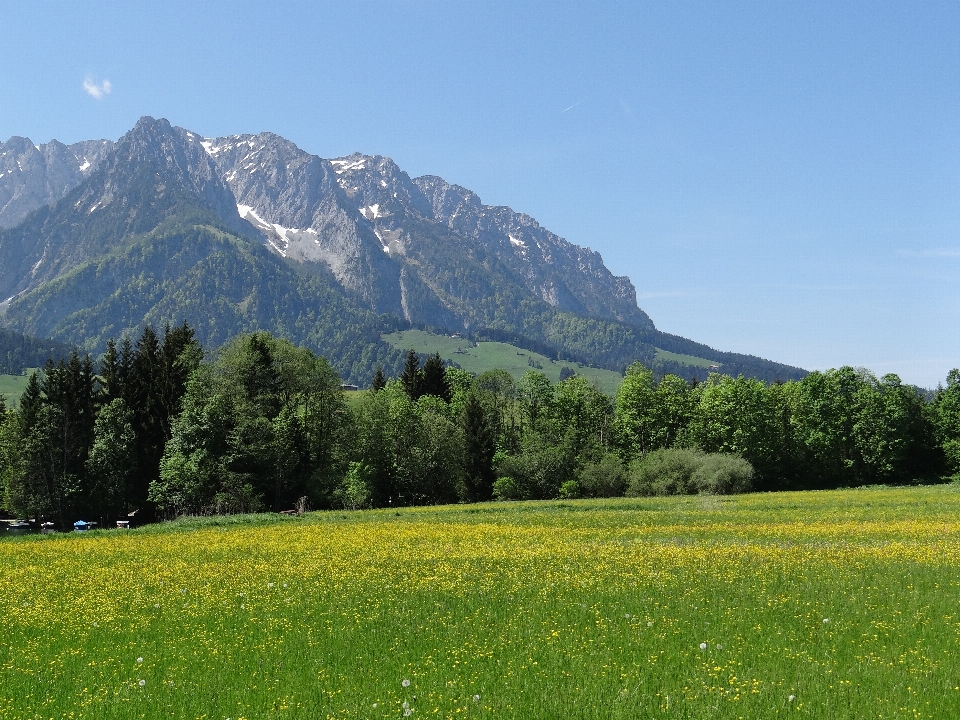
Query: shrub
[683, 471]
[506, 488]
[723, 474]
[569, 490]
[607, 478]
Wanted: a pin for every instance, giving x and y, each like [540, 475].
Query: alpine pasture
[834, 604]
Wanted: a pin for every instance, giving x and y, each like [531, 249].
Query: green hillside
[665, 356]
[483, 356]
[12, 386]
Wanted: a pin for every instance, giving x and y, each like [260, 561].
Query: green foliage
[261, 426]
[685, 471]
[354, 492]
[606, 477]
[506, 488]
[110, 463]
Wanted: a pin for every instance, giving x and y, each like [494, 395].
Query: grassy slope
[834, 604]
[495, 355]
[666, 355]
[12, 386]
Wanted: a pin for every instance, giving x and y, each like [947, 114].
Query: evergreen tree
[480, 447]
[433, 379]
[379, 381]
[410, 378]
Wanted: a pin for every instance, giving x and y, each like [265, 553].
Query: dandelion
[142, 683]
[405, 683]
[703, 646]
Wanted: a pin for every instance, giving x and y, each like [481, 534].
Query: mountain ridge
[354, 232]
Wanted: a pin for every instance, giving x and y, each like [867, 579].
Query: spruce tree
[434, 379]
[379, 381]
[480, 448]
[410, 378]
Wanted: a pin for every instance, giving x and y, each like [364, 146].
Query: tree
[410, 378]
[946, 415]
[480, 447]
[109, 463]
[261, 426]
[433, 380]
[636, 409]
[379, 381]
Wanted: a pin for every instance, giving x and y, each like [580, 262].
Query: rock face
[420, 247]
[35, 175]
[249, 231]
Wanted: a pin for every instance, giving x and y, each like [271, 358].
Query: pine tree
[434, 379]
[480, 448]
[410, 378]
[379, 381]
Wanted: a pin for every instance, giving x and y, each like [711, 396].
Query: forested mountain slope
[250, 232]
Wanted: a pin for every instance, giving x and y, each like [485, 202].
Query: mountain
[250, 231]
[35, 175]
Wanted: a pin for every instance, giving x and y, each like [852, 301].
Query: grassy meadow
[840, 604]
[12, 386]
[497, 355]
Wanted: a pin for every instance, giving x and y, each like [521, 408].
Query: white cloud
[97, 91]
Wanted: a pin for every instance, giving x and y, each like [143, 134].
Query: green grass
[495, 355]
[12, 386]
[684, 359]
[838, 604]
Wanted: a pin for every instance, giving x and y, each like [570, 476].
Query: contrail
[571, 107]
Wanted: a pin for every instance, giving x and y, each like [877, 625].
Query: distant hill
[19, 352]
[250, 232]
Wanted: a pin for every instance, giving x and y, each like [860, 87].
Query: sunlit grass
[828, 605]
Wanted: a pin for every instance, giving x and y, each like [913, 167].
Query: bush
[569, 490]
[723, 474]
[506, 488]
[607, 478]
[682, 471]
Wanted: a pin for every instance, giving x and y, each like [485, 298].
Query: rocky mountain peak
[32, 176]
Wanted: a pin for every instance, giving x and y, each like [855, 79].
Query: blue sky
[779, 179]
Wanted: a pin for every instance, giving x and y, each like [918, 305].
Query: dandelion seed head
[142, 683]
[649, 624]
[476, 698]
[406, 705]
[139, 659]
[826, 621]
[269, 584]
[405, 683]
[703, 646]
[791, 698]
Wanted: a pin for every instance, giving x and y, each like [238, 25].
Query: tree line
[265, 425]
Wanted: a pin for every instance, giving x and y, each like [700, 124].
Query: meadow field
[840, 604]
